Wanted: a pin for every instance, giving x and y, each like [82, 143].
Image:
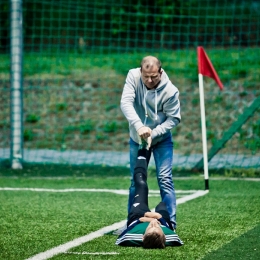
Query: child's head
[154, 236]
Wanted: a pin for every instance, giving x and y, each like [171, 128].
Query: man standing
[150, 103]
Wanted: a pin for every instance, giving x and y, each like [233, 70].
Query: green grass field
[223, 224]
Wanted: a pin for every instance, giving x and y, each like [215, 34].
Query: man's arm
[172, 110]
[127, 102]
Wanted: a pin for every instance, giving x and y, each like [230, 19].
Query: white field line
[195, 195]
[81, 240]
[76, 242]
[89, 253]
[121, 192]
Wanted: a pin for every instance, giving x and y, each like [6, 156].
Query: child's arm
[146, 219]
[153, 215]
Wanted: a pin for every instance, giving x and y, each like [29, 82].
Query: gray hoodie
[161, 105]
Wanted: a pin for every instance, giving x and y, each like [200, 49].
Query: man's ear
[143, 238]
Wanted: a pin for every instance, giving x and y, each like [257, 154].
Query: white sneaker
[120, 230]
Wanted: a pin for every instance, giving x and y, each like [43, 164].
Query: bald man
[150, 103]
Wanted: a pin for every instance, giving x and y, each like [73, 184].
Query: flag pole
[205, 69]
[204, 132]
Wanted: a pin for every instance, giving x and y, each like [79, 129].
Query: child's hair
[154, 240]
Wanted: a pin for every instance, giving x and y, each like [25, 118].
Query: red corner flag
[206, 68]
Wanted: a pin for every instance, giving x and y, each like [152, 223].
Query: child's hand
[153, 215]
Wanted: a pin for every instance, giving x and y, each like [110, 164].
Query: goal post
[16, 122]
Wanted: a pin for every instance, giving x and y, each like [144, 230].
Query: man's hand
[149, 142]
[144, 132]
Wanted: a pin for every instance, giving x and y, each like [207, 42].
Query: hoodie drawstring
[155, 104]
[145, 106]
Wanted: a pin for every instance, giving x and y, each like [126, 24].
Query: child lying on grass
[146, 228]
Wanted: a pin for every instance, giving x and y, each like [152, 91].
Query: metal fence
[69, 60]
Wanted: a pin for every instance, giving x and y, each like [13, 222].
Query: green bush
[87, 127]
[32, 118]
[61, 106]
[28, 135]
[110, 127]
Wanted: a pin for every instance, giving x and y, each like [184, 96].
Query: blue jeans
[163, 156]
